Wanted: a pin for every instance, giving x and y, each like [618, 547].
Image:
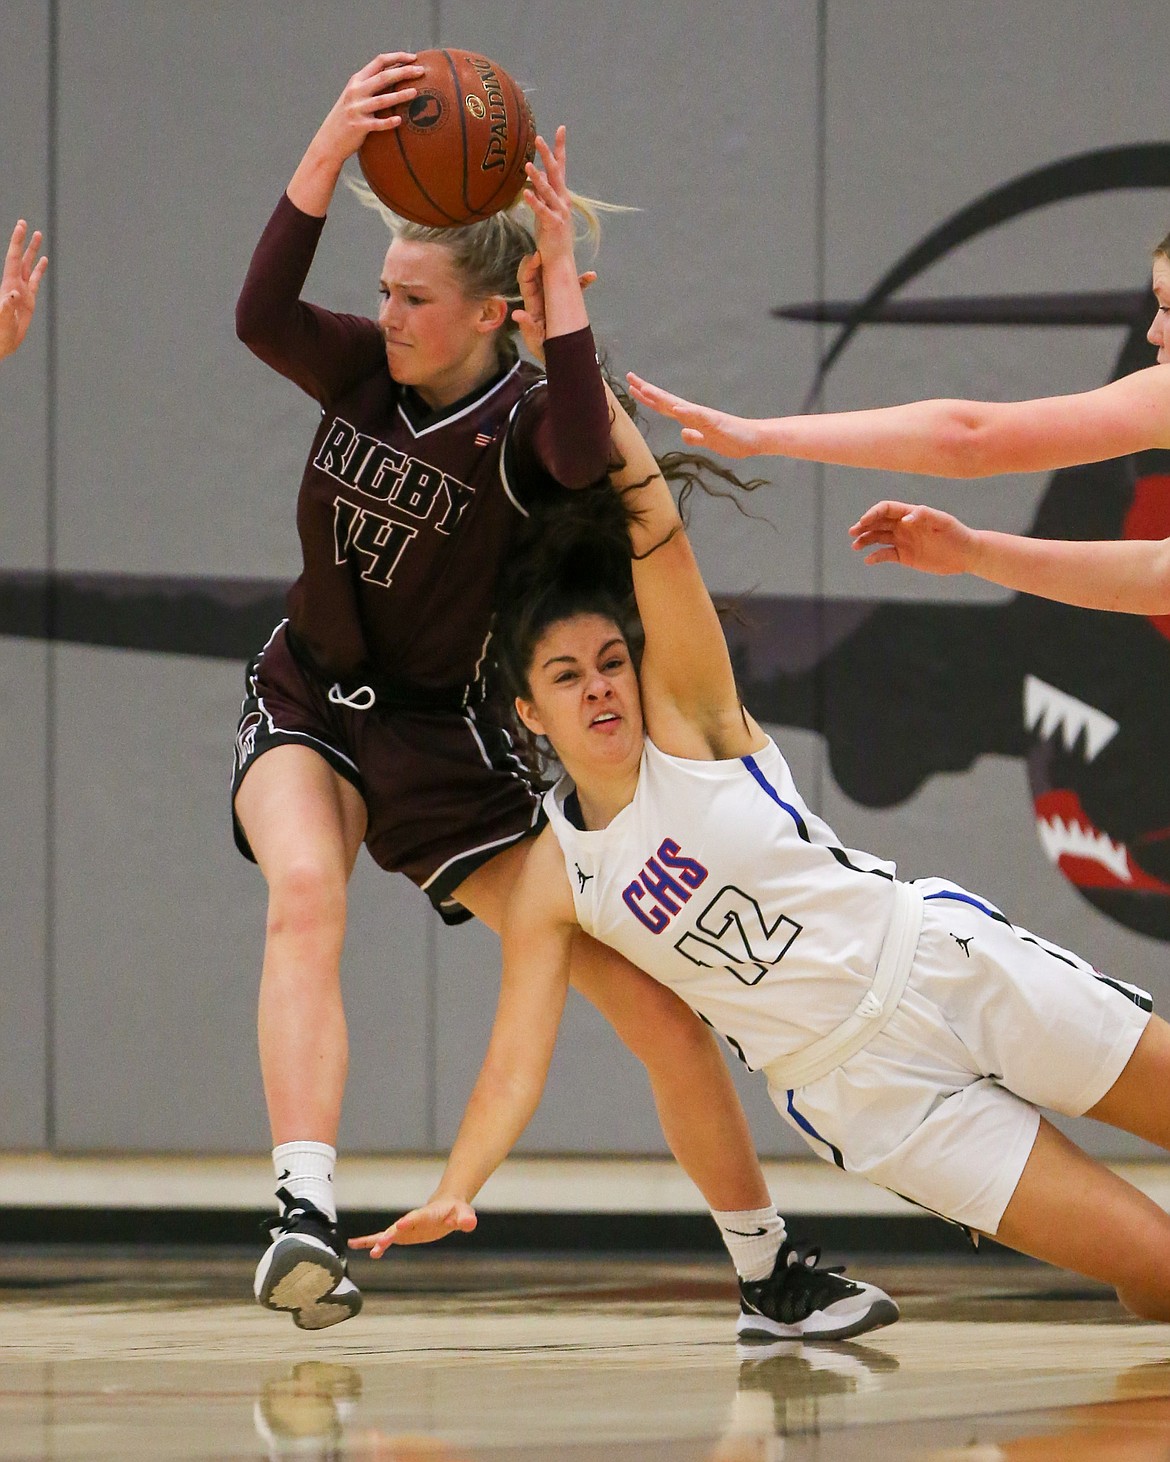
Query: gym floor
[117, 1354]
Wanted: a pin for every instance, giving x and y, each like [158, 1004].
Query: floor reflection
[582, 1361]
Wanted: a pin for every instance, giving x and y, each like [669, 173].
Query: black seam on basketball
[415, 180]
[458, 88]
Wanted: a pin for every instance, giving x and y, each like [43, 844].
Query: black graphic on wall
[903, 691]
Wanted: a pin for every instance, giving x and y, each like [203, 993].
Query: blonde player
[908, 1031]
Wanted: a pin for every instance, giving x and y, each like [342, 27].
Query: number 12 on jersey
[738, 937]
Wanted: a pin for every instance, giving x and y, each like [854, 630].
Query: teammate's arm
[945, 438]
[1132, 576]
[537, 934]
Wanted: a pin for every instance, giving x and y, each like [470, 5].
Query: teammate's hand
[529, 316]
[702, 426]
[434, 1220]
[21, 279]
[915, 536]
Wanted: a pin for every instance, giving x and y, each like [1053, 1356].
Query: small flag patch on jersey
[483, 439]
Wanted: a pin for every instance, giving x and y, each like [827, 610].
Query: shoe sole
[756, 1328]
[302, 1285]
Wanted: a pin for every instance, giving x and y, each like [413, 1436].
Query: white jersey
[718, 881]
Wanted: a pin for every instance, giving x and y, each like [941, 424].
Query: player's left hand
[529, 317]
[434, 1220]
[915, 536]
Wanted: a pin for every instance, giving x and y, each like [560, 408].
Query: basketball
[459, 153]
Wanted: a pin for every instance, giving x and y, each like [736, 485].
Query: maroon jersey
[406, 514]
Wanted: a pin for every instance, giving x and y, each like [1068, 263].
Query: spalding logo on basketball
[442, 175]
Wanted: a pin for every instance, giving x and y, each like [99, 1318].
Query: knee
[1146, 1302]
[307, 897]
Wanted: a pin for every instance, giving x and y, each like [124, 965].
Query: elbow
[962, 442]
[247, 324]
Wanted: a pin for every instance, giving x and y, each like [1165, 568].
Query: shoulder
[542, 894]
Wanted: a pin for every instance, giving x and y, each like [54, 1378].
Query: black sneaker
[303, 1269]
[798, 1301]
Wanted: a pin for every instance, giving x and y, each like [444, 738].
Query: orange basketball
[459, 153]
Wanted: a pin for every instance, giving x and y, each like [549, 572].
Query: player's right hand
[434, 1220]
[915, 536]
[368, 101]
[702, 426]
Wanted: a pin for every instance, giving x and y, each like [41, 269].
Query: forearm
[313, 184]
[1130, 576]
[500, 1107]
[571, 438]
[655, 513]
[564, 300]
[935, 438]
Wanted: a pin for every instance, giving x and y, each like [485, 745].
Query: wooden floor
[589, 1360]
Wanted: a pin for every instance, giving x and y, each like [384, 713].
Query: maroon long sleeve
[322, 352]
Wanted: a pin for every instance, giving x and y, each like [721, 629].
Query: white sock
[306, 1170]
[753, 1237]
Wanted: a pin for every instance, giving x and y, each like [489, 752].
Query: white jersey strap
[873, 1010]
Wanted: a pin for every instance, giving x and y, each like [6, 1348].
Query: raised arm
[945, 438]
[319, 350]
[566, 434]
[537, 934]
[689, 696]
[1132, 576]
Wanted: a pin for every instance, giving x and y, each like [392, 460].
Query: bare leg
[1136, 1102]
[1071, 1210]
[697, 1103]
[305, 825]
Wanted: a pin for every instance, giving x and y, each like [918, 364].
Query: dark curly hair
[573, 556]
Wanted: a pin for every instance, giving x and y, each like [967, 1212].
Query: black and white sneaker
[303, 1269]
[798, 1301]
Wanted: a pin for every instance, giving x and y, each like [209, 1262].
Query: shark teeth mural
[1049, 712]
[1067, 833]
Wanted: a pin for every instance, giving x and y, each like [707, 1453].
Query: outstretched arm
[1132, 576]
[945, 438]
[23, 273]
[536, 938]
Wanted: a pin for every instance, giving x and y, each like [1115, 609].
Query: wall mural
[904, 691]
[900, 692]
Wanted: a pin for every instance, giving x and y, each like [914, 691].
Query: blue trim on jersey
[753, 767]
[806, 1126]
[964, 898]
[839, 854]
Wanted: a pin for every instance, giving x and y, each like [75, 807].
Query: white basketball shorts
[940, 1107]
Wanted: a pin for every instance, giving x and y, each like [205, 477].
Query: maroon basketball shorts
[444, 792]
